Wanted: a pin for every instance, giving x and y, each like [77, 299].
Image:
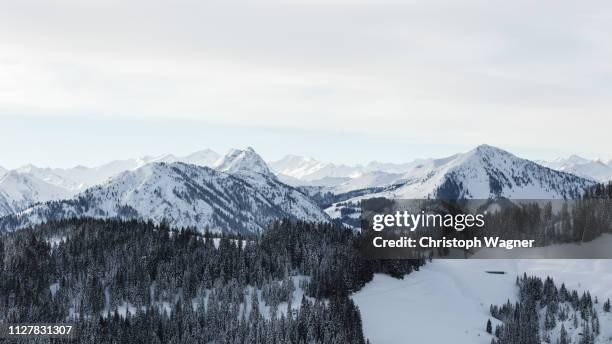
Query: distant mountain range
[20, 190]
[308, 171]
[241, 196]
[594, 169]
[240, 192]
[79, 178]
[301, 171]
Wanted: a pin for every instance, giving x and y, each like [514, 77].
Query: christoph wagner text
[429, 242]
[414, 221]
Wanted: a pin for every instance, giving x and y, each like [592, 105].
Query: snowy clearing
[448, 301]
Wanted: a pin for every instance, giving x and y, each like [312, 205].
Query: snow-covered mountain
[308, 169]
[337, 178]
[368, 180]
[80, 177]
[311, 170]
[375, 166]
[66, 182]
[20, 190]
[300, 171]
[184, 195]
[485, 172]
[594, 169]
[243, 162]
[205, 157]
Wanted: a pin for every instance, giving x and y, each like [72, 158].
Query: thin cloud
[510, 73]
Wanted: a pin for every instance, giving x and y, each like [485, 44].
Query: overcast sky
[85, 81]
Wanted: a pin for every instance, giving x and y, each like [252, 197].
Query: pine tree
[595, 323]
[563, 337]
[575, 320]
[489, 327]
[550, 320]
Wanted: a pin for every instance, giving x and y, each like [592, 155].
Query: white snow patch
[448, 301]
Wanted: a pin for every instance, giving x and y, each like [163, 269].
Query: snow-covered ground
[166, 307]
[448, 301]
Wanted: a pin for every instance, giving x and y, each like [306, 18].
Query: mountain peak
[487, 152]
[23, 189]
[243, 161]
[576, 159]
[485, 148]
[185, 195]
[205, 157]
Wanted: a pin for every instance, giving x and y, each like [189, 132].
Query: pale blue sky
[60, 141]
[348, 81]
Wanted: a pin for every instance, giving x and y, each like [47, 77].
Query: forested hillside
[151, 284]
[547, 313]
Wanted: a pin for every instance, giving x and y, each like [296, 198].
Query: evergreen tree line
[182, 286]
[567, 317]
[579, 220]
[599, 191]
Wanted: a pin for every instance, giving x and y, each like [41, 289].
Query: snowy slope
[5, 206]
[394, 168]
[183, 195]
[59, 177]
[487, 172]
[448, 301]
[243, 162]
[21, 190]
[342, 185]
[593, 169]
[326, 182]
[368, 180]
[2, 171]
[309, 169]
[204, 157]
[481, 173]
[80, 177]
[300, 171]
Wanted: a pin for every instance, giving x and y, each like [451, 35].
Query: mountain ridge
[595, 169]
[19, 190]
[184, 195]
[483, 172]
[487, 171]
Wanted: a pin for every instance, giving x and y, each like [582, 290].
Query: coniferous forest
[136, 282]
[547, 313]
